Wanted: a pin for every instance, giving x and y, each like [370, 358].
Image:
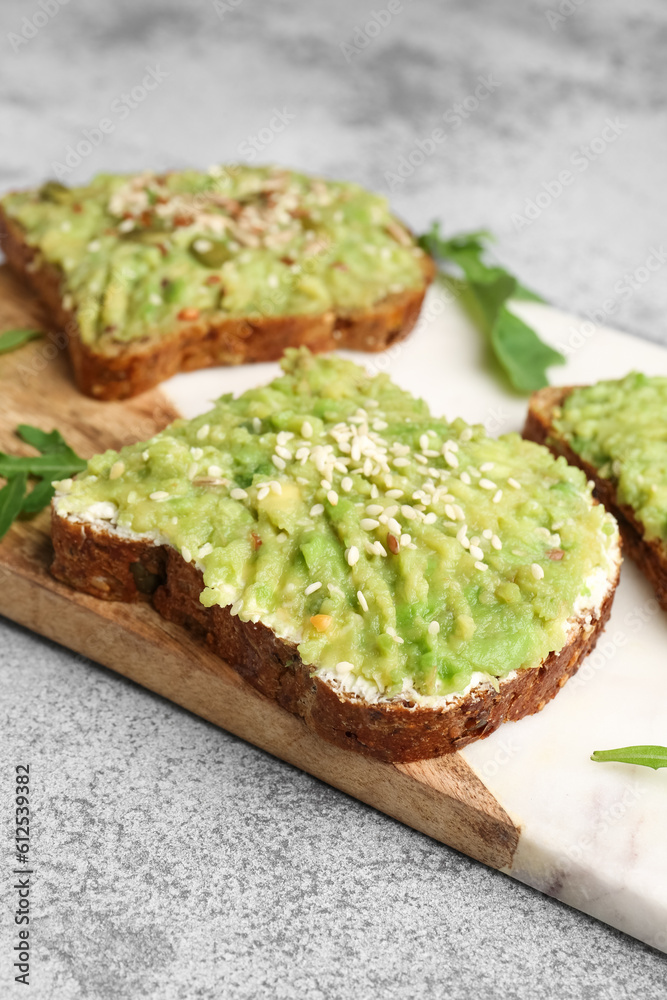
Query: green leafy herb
[11, 501]
[11, 339]
[56, 461]
[654, 757]
[487, 289]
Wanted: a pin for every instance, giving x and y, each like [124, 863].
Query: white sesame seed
[155, 299]
[352, 555]
[256, 425]
[487, 533]
[159, 495]
[400, 463]
[430, 518]
[312, 587]
[362, 600]
[482, 567]
[126, 226]
[465, 434]
[450, 512]
[374, 509]
[174, 520]
[278, 462]
[205, 550]
[433, 628]
[394, 526]
[487, 484]
[369, 523]
[214, 470]
[451, 460]
[185, 552]
[325, 484]
[486, 467]
[497, 544]
[203, 432]
[465, 478]
[408, 512]
[283, 452]
[263, 492]
[476, 552]
[145, 455]
[459, 512]
[196, 453]
[236, 606]
[394, 494]
[380, 425]
[537, 571]
[117, 470]
[419, 458]
[513, 483]
[423, 442]
[332, 497]
[498, 495]
[346, 484]
[450, 446]
[238, 494]
[316, 509]
[375, 493]
[462, 532]
[202, 246]
[344, 667]
[405, 539]
[379, 549]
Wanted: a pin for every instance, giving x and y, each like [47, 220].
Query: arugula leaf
[43, 441]
[57, 461]
[57, 466]
[11, 499]
[648, 756]
[11, 339]
[520, 351]
[38, 498]
[522, 355]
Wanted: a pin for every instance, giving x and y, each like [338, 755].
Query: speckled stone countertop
[175, 861]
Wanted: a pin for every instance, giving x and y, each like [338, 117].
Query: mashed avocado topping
[401, 552]
[620, 428]
[141, 254]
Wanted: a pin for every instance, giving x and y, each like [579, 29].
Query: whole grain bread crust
[119, 371]
[649, 554]
[111, 567]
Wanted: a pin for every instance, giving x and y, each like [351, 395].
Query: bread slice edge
[116, 564]
[141, 365]
[649, 554]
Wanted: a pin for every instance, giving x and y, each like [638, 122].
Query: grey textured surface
[172, 860]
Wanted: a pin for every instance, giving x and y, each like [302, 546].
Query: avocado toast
[616, 431]
[401, 582]
[150, 274]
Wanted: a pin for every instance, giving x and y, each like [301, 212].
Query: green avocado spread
[142, 253]
[620, 428]
[404, 554]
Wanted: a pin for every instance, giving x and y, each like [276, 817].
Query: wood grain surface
[443, 798]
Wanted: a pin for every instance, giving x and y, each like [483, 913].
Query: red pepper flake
[394, 544]
[183, 220]
[190, 312]
[77, 208]
[556, 554]
[146, 218]
[256, 540]
[213, 279]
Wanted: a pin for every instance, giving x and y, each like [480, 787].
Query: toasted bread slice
[649, 554]
[207, 323]
[111, 564]
[314, 532]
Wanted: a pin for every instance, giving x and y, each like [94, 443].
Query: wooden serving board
[444, 798]
[527, 800]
